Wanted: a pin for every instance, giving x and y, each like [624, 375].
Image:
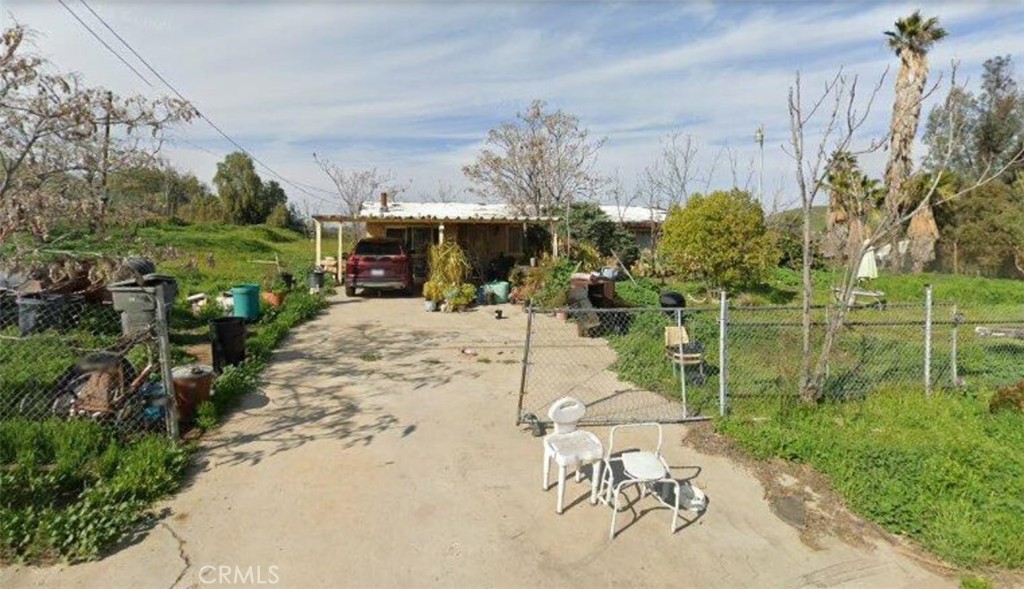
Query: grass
[72, 489]
[942, 470]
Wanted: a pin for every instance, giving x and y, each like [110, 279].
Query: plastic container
[316, 278]
[39, 312]
[192, 386]
[227, 340]
[246, 299]
[500, 289]
[137, 302]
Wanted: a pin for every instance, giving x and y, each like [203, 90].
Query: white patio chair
[647, 470]
[569, 446]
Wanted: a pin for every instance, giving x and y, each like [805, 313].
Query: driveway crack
[182, 554]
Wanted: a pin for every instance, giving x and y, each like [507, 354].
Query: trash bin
[192, 386]
[500, 289]
[316, 278]
[137, 302]
[227, 340]
[246, 299]
[38, 312]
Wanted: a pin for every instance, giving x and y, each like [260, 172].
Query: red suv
[378, 263]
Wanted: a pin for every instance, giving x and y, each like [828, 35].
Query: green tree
[589, 223]
[983, 231]
[244, 198]
[720, 239]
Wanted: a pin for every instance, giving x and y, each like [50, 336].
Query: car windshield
[378, 248]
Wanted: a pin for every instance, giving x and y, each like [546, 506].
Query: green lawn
[943, 470]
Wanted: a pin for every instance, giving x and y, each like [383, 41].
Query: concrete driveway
[380, 455]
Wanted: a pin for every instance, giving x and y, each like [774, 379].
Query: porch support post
[554, 242]
[440, 234]
[318, 230]
[338, 266]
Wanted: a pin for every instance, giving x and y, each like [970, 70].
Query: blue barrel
[246, 299]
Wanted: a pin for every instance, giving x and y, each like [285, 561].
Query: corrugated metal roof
[633, 214]
[445, 211]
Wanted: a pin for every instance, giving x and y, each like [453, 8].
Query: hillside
[818, 217]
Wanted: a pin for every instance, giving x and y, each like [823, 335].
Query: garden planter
[274, 299]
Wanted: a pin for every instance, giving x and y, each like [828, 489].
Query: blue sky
[414, 87]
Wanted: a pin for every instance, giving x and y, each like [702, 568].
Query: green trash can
[246, 298]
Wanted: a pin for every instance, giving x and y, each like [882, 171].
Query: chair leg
[675, 512]
[615, 510]
[579, 473]
[595, 471]
[547, 470]
[561, 486]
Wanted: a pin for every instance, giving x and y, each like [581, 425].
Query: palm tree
[913, 37]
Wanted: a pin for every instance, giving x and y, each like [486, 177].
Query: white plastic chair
[569, 446]
[644, 469]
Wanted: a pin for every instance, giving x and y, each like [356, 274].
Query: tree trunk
[906, 113]
[808, 393]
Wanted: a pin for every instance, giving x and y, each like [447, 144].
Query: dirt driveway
[380, 455]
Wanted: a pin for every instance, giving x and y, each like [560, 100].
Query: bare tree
[356, 186]
[537, 164]
[63, 138]
[670, 180]
[446, 192]
[835, 118]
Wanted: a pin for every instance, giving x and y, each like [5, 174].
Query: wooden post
[440, 234]
[318, 231]
[164, 352]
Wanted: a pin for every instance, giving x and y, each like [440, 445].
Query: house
[487, 232]
[643, 222]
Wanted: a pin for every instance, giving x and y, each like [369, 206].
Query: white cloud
[415, 87]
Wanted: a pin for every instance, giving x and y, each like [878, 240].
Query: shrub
[720, 240]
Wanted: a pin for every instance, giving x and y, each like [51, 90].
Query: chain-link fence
[64, 357]
[671, 365]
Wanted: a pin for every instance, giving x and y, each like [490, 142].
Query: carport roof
[436, 211]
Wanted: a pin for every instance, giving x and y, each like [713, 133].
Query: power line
[104, 43]
[199, 113]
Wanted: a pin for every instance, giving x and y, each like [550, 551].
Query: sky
[413, 87]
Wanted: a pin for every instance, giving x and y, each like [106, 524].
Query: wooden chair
[682, 352]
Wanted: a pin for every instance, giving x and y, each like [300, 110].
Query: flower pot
[274, 299]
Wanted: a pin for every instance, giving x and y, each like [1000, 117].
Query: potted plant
[274, 289]
[445, 286]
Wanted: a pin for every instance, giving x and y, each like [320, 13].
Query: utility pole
[759, 138]
[105, 195]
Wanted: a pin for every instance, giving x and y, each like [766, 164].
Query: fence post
[954, 372]
[164, 343]
[928, 339]
[682, 365]
[723, 323]
[526, 360]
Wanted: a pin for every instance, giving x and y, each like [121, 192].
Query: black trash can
[288, 279]
[227, 339]
[316, 278]
[38, 312]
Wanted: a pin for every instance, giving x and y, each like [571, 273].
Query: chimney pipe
[384, 202]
